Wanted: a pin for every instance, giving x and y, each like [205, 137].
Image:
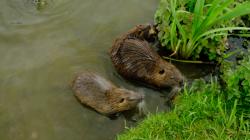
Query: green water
[41, 50]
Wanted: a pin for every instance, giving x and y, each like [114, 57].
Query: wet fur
[98, 93]
[130, 62]
[134, 59]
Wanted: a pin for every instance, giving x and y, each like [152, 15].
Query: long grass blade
[198, 13]
[240, 10]
[213, 12]
[176, 23]
[242, 35]
[191, 49]
[212, 8]
[232, 117]
[173, 36]
[182, 33]
[215, 34]
[220, 30]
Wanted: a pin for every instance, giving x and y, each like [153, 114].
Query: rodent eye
[161, 71]
[122, 100]
[140, 33]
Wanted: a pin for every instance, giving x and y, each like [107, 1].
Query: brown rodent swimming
[103, 96]
[134, 59]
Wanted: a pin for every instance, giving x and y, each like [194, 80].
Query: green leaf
[173, 36]
[221, 29]
[215, 13]
[198, 15]
[240, 10]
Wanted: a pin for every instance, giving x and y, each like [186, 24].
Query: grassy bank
[214, 110]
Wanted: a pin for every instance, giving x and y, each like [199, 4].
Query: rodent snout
[142, 97]
[181, 83]
[139, 97]
[178, 80]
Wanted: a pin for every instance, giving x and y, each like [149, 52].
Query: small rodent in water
[103, 96]
[134, 59]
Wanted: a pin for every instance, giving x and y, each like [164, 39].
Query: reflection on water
[41, 50]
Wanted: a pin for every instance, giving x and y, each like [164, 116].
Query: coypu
[142, 32]
[134, 59]
[101, 95]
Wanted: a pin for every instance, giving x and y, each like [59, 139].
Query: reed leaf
[173, 34]
[221, 29]
[240, 10]
[198, 15]
[205, 20]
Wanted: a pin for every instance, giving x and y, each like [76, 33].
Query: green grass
[203, 111]
[237, 85]
[189, 27]
[197, 115]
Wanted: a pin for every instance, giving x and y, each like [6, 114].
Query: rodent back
[100, 94]
[91, 85]
[134, 57]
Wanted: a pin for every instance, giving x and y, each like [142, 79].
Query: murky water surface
[41, 48]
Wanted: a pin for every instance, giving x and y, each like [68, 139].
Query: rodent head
[166, 75]
[122, 99]
[147, 32]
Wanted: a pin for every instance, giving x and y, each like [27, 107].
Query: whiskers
[142, 109]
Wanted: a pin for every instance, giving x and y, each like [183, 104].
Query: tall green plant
[237, 84]
[189, 26]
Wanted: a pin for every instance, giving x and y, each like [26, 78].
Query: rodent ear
[108, 93]
[152, 31]
[162, 71]
[140, 33]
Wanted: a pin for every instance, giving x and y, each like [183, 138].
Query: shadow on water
[41, 49]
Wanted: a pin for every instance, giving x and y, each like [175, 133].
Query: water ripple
[23, 13]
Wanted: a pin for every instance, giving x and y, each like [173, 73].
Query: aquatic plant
[191, 27]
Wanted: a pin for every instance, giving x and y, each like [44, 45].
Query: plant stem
[188, 61]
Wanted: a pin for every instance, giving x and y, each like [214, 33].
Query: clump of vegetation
[237, 85]
[204, 111]
[191, 27]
